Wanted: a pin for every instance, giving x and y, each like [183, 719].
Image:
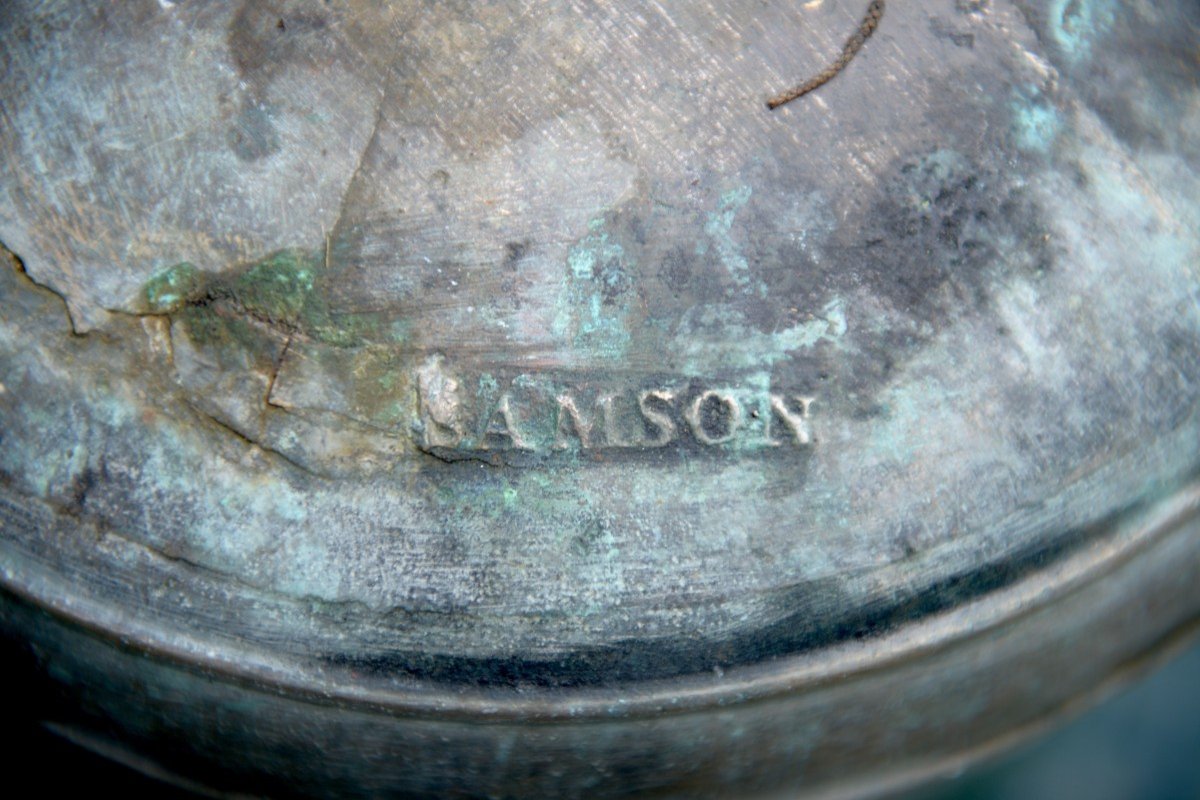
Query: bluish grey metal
[497, 398]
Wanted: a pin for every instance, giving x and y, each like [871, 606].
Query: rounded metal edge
[947, 700]
[1132, 532]
[1176, 643]
[888, 786]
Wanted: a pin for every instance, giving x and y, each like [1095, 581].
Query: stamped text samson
[536, 415]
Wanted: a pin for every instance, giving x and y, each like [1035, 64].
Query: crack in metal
[19, 266]
[250, 442]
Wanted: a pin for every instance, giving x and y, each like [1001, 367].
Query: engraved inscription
[461, 416]
[440, 405]
[657, 420]
[568, 413]
[501, 426]
[714, 417]
[794, 419]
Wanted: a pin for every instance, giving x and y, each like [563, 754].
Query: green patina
[248, 317]
[281, 290]
[720, 336]
[1035, 123]
[592, 311]
[511, 497]
[377, 383]
[233, 338]
[1076, 24]
[170, 289]
[719, 229]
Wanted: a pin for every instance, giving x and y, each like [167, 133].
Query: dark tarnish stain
[514, 253]
[939, 239]
[82, 486]
[614, 281]
[952, 229]
[253, 135]
[944, 30]
[262, 44]
[261, 47]
[971, 6]
[590, 538]
[677, 271]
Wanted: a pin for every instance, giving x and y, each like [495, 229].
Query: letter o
[695, 417]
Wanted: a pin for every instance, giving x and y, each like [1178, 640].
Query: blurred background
[1143, 742]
